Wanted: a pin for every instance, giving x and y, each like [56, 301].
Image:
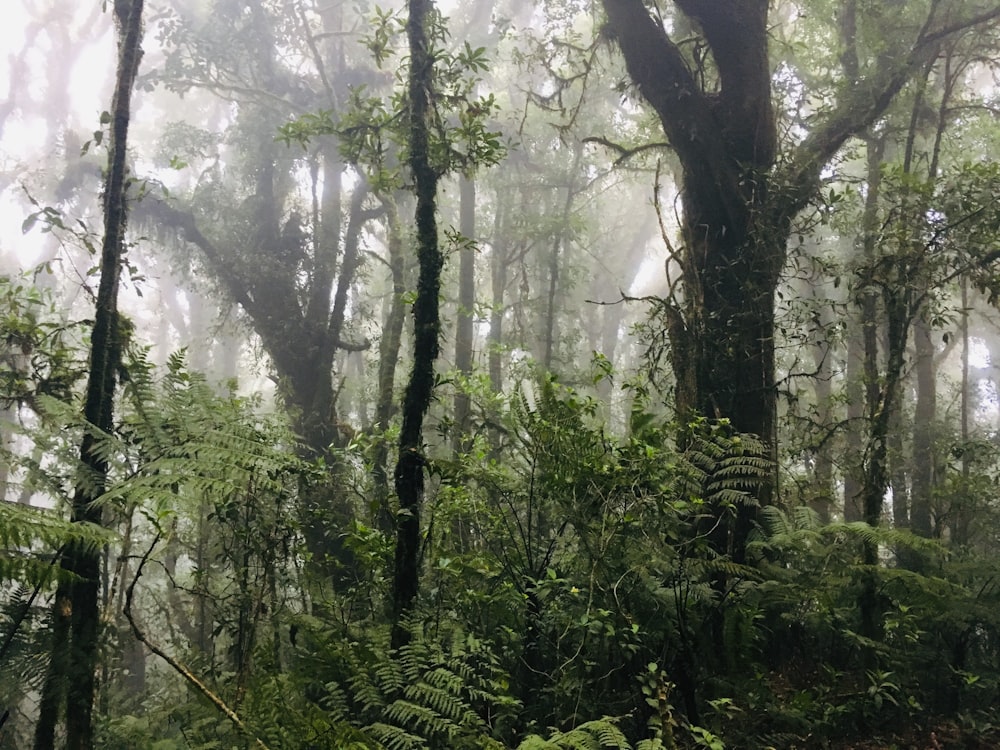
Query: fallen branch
[177, 666]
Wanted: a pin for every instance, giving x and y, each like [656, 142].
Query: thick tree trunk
[76, 610]
[735, 221]
[409, 476]
[723, 337]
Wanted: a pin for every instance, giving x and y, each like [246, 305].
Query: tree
[409, 474]
[75, 615]
[742, 187]
[287, 253]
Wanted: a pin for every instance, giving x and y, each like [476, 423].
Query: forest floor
[943, 736]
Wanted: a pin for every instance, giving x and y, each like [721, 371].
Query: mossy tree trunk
[76, 615]
[409, 475]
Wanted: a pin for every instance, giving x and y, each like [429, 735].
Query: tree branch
[184, 221]
[658, 69]
[176, 665]
[624, 154]
[862, 104]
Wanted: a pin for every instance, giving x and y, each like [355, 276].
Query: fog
[715, 315]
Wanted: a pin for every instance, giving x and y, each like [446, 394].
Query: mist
[499, 374]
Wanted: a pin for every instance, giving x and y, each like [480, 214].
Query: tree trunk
[285, 278]
[548, 349]
[499, 262]
[926, 370]
[723, 337]
[854, 434]
[388, 354]
[960, 526]
[464, 332]
[76, 611]
[409, 476]
[899, 479]
[923, 429]
[821, 498]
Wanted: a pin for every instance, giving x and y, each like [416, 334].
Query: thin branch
[624, 154]
[177, 666]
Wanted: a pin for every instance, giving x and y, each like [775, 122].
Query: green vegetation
[692, 442]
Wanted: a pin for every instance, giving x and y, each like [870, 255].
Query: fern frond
[600, 734]
[394, 738]
[31, 537]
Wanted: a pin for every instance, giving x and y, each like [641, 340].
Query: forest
[488, 374]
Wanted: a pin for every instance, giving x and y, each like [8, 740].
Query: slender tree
[388, 356]
[75, 615]
[464, 330]
[409, 476]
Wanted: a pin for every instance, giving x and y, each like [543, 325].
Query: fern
[429, 694]
[31, 537]
[600, 734]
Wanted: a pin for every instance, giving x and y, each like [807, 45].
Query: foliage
[583, 582]
[461, 136]
[40, 353]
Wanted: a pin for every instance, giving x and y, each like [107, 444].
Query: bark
[821, 499]
[924, 458]
[854, 437]
[960, 527]
[76, 609]
[882, 395]
[409, 474]
[923, 429]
